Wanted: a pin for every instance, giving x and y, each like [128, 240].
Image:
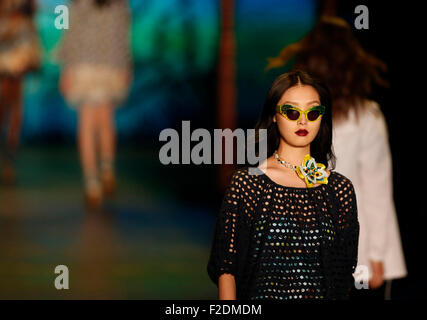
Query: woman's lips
[302, 132]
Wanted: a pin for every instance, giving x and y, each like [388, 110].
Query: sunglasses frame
[282, 110]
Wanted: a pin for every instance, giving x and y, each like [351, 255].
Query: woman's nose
[302, 119]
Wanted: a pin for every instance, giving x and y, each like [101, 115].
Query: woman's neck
[291, 154]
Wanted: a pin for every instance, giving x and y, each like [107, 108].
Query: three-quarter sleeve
[348, 234]
[223, 256]
[376, 189]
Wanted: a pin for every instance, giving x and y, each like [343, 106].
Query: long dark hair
[332, 53]
[321, 146]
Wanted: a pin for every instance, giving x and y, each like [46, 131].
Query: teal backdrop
[174, 45]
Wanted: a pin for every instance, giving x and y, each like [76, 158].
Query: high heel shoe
[93, 193]
[108, 178]
[108, 183]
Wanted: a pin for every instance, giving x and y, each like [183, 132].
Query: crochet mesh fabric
[286, 243]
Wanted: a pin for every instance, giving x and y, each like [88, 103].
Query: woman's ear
[274, 118]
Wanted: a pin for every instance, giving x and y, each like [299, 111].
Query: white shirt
[363, 155]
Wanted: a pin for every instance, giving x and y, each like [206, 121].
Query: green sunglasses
[294, 114]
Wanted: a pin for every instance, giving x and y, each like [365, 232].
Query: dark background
[394, 36]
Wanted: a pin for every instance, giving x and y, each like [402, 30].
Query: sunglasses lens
[292, 114]
[313, 115]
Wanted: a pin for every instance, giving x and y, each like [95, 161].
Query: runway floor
[145, 243]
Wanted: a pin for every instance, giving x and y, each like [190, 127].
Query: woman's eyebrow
[297, 104]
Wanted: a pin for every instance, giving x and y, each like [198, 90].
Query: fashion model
[19, 54]
[290, 232]
[95, 79]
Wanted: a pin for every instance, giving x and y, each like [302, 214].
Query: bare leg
[10, 119]
[4, 103]
[15, 118]
[4, 106]
[87, 148]
[107, 133]
[107, 136]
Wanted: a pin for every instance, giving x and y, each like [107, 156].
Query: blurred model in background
[360, 141]
[19, 54]
[95, 79]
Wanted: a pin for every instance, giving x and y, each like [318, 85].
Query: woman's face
[302, 132]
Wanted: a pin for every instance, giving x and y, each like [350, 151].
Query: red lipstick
[302, 132]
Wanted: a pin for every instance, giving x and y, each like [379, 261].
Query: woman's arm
[377, 188]
[345, 251]
[222, 266]
[226, 287]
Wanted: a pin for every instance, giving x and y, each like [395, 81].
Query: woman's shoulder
[343, 194]
[245, 176]
[339, 182]
[243, 173]
[371, 110]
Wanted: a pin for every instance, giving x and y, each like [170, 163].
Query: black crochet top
[286, 243]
